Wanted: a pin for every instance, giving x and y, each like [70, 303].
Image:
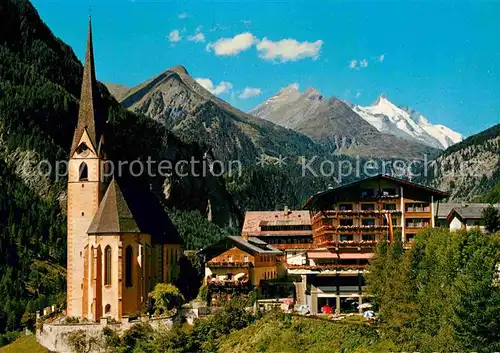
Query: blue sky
[442, 59]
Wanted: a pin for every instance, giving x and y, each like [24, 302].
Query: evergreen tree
[491, 217]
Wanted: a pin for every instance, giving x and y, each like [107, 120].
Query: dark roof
[471, 211]
[322, 196]
[130, 207]
[113, 215]
[253, 245]
[444, 209]
[149, 212]
[89, 114]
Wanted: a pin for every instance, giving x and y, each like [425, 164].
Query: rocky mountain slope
[386, 117]
[195, 115]
[468, 169]
[334, 124]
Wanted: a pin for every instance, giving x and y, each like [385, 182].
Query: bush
[81, 341]
[166, 297]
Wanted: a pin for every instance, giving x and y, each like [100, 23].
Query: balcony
[294, 246]
[227, 264]
[334, 214]
[349, 243]
[227, 283]
[328, 267]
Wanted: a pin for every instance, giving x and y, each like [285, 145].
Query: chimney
[287, 211]
[244, 236]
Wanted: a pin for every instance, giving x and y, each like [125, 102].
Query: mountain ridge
[387, 117]
[332, 122]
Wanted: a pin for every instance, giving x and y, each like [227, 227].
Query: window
[368, 237]
[389, 206]
[394, 221]
[83, 172]
[417, 207]
[82, 148]
[346, 237]
[346, 222]
[129, 253]
[245, 259]
[345, 207]
[410, 237]
[389, 192]
[417, 223]
[367, 193]
[368, 221]
[107, 309]
[367, 207]
[230, 259]
[107, 266]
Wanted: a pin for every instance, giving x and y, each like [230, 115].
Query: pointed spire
[89, 114]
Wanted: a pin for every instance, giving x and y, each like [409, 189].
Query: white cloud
[174, 36]
[250, 92]
[246, 22]
[357, 95]
[381, 58]
[198, 37]
[294, 85]
[356, 65]
[288, 49]
[222, 87]
[234, 45]
[183, 15]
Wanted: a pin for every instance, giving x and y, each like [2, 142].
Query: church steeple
[89, 115]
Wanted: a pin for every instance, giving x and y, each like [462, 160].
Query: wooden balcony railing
[294, 246]
[350, 243]
[338, 267]
[333, 213]
[228, 264]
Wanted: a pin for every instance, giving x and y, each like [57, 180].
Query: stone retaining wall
[53, 335]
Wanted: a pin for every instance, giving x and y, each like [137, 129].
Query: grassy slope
[24, 344]
[302, 334]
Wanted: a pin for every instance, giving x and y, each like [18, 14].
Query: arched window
[128, 266]
[107, 309]
[107, 266]
[83, 172]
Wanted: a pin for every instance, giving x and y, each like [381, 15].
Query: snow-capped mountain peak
[389, 118]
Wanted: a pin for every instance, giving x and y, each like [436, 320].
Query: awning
[356, 255]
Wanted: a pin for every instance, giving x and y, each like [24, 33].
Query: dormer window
[83, 149]
[83, 172]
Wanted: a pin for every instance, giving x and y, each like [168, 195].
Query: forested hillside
[40, 80]
[470, 169]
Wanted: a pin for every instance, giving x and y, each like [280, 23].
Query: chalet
[467, 216]
[239, 261]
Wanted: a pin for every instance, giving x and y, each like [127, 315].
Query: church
[120, 240]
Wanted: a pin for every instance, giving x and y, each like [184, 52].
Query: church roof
[89, 114]
[149, 212]
[113, 215]
[130, 208]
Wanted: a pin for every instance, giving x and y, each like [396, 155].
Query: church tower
[85, 181]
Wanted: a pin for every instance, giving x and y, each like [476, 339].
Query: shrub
[166, 297]
[81, 341]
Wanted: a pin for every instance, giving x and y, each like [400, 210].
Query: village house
[239, 261]
[467, 216]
